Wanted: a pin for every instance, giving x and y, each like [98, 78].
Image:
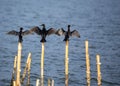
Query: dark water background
[96, 20]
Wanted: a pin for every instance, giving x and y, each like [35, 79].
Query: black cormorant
[43, 32]
[20, 33]
[68, 33]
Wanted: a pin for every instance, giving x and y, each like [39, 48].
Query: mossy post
[42, 65]
[19, 63]
[66, 63]
[98, 69]
[87, 63]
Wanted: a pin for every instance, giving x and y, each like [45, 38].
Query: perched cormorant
[20, 33]
[68, 33]
[43, 32]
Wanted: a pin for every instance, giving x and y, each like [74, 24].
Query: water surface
[96, 20]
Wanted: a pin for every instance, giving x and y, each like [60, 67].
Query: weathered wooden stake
[49, 82]
[14, 84]
[52, 83]
[87, 64]
[19, 63]
[37, 82]
[14, 71]
[98, 70]
[42, 65]
[29, 65]
[66, 63]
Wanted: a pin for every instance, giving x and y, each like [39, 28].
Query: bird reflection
[68, 33]
[43, 32]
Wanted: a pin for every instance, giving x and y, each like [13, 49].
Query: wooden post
[26, 67]
[15, 62]
[49, 82]
[87, 64]
[98, 70]
[19, 63]
[29, 65]
[66, 63]
[14, 84]
[42, 65]
[52, 83]
[37, 82]
[14, 71]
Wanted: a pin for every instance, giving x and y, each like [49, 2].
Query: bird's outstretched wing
[37, 30]
[60, 32]
[26, 32]
[13, 32]
[51, 31]
[75, 33]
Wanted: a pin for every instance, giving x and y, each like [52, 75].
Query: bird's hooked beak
[43, 25]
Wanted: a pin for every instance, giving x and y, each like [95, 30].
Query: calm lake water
[96, 20]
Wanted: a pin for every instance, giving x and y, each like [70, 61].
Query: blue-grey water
[96, 20]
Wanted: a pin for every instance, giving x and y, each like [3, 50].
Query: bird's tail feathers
[43, 40]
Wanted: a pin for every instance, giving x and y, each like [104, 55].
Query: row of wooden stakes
[18, 81]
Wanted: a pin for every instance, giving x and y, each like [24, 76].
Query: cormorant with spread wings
[20, 34]
[43, 32]
[68, 33]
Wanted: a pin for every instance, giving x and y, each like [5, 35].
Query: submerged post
[66, 63]
[19, 63]
[87, 63]
[98, 70]
[42, 65]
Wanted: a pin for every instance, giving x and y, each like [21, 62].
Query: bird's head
[21, 29]
[43, 25]
[68, 26]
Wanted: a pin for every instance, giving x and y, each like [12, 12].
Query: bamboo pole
[98, 70]
[14, 84]
[37, 82]
[24, 73]
[14, 71]
[52, 83]
[49, 82]
[42, 65]
[26, 67]
[29, 65]
[66, 63]
[19, 63]
[87, 64]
